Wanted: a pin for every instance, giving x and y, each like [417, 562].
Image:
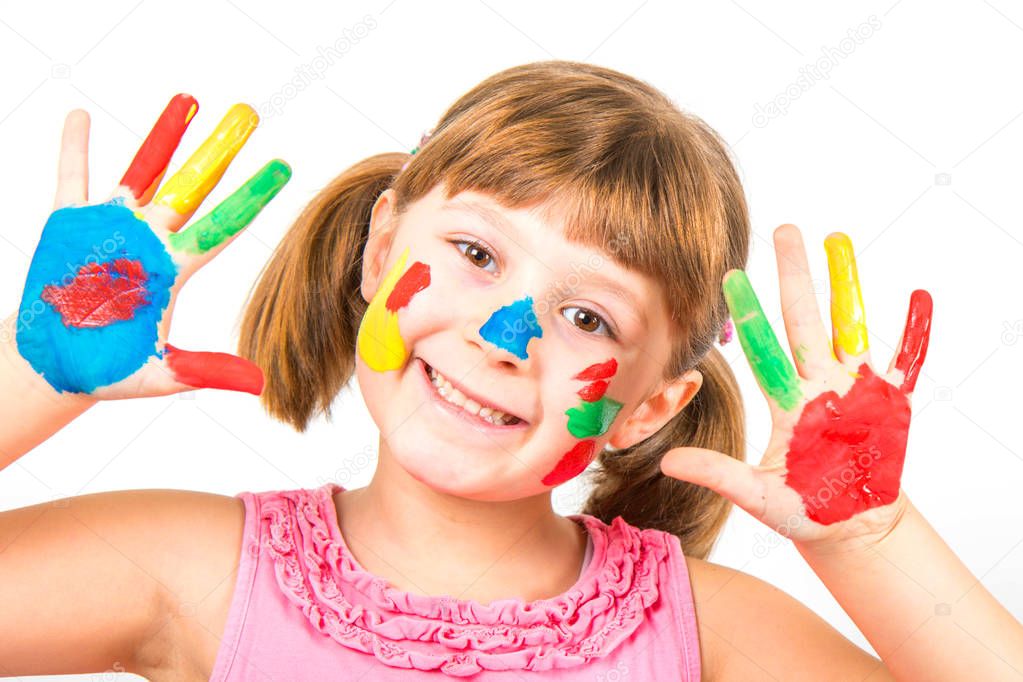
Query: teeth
[456, 397]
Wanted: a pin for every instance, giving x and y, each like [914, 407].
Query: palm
[833, 465]
[101, 287]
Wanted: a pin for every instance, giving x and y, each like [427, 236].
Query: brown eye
[587, 320]
[476, 254]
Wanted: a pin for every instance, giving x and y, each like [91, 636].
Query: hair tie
[726, 332]
[423, 139]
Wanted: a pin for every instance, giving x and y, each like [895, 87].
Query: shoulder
[751, 630]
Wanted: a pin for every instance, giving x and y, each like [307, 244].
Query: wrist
[24, 380]
[866, 535]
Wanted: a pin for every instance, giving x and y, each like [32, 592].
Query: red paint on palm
[415, 279]
[603, 370]
[214, 370]
[846, 452]
[594, 391]
[156, 151]
[100, 294]
[572, 463]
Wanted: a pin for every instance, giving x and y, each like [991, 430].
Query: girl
[536, 287]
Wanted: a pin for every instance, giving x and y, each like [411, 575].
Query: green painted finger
[771, 367]
[235, 212]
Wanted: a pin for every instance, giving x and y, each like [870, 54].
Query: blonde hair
[638, 178]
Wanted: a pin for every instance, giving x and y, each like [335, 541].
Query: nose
[510, 328]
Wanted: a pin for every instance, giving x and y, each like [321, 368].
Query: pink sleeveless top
[304, 609]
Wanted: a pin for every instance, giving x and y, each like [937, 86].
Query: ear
[382, 224]
[657, 410]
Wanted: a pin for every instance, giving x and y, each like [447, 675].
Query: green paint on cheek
[771, 367]
[592, 419]
[235, 212]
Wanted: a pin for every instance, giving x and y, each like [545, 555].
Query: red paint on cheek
[846, 453]
[593, 392]
[603, 370]
[100, 294]
[415, 279]
[572, 463]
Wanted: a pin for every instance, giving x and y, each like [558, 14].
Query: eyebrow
[502, 224]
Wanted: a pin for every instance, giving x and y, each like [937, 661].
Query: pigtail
[303, 315]
[629, 482]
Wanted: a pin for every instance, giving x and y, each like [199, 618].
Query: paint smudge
[415, 279]
[197, 177]
[592, 419]
[846, 452]
[100, 294]
[379, 342]
[234, 213]
[512, 326]
[155, 153]
[602, 370]
[81, 359]
[593, 391]
[214, 370]
[572, 463]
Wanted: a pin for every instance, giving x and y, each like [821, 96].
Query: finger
[207, 236]
[848, 318]
[187, 188]
[73, 166]
[915, 337]
[150, 162]
[807, 337]
[213, 370]
[727, 476]
[771, 367]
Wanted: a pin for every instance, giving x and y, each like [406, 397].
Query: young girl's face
[570, 346]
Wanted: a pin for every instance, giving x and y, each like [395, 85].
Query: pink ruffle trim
[316, 572]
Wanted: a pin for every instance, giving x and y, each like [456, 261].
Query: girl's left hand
[832, 467]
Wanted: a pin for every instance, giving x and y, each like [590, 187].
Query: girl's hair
[632, 175]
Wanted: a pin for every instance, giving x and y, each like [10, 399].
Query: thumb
[724, 475]
[213, 370]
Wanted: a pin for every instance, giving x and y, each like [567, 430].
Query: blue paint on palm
[512, 326]
[82, 359]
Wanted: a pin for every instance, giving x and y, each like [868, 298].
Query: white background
[910, 145]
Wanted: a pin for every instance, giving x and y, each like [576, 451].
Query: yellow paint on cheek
[380, 344]
[848, 318]
[199, 175]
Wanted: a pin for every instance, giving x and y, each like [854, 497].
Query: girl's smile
[452, 398]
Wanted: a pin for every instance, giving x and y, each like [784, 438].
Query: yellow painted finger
[200, 174]
[848, 318]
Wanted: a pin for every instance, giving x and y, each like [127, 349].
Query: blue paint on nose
[512, 326]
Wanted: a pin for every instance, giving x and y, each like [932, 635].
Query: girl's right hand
[96, 309]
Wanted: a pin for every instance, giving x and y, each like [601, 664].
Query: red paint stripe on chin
[603, 370]
[572, 463]
[214, 370]
[156, 151]
[415, 279]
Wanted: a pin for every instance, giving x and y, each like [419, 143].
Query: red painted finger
[214, 370]
[155, 153]
[915, 338]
